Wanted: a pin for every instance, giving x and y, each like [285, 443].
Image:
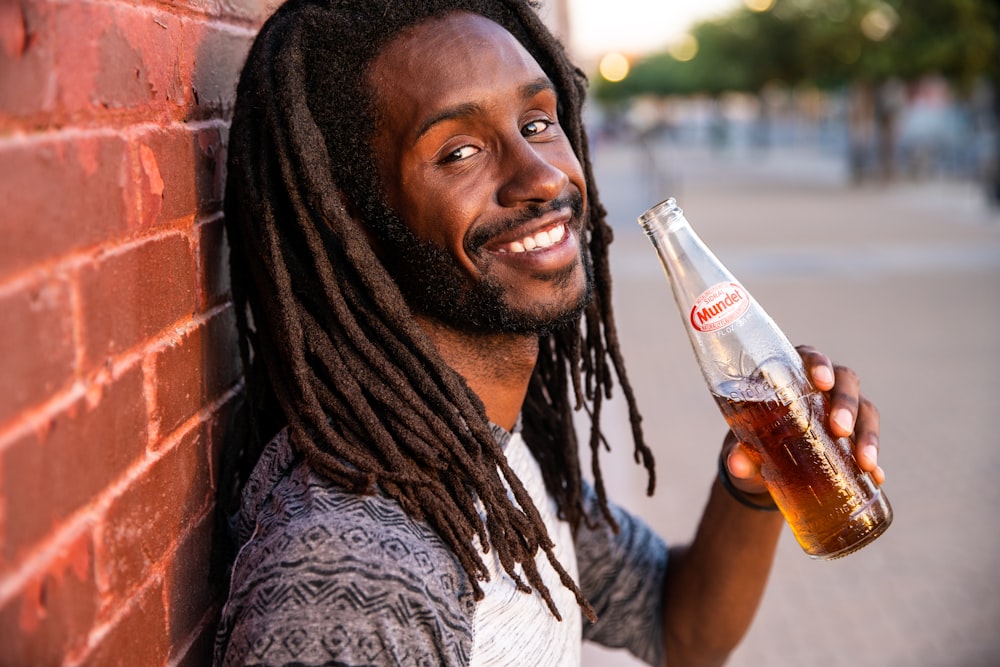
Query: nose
[531, 174]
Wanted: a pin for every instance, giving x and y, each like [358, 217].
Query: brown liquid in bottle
[832, 506]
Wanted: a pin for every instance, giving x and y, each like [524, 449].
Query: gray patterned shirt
[329, 577]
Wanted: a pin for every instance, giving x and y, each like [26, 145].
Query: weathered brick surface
[190, 587]
[218, 56]
[251, 10]
[132, 295]
[151, 515]
[127, 58]
[138, 636]
[54, 471]
[37, 316]
[118, 359]
[54, 611]
[26, 60]
[196, 370]
[191, 159]
[62, 192]
[213, 257]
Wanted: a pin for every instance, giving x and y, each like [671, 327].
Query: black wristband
[738, 495]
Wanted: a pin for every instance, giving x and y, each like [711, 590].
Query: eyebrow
[469, 109]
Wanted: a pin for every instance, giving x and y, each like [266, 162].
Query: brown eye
[536, 127]
[460, 153]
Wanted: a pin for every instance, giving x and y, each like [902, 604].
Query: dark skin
[468, 135]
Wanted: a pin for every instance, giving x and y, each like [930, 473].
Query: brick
[49, 475]
[228, 430]
[59, 195]
[51, 615]
[210, 172]
[178, 174]
[230, 422]
[196, 371]
[207, 7]
[130, 296]
[216, 66]
[26, 60]
[38, 318]
[155, 513]
[139, 637]
[191, 588]
[255, 11]
[115, 57]
[213, 260]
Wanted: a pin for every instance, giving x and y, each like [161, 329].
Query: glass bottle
[760, 384]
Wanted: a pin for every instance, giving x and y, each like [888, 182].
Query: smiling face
[487, 192]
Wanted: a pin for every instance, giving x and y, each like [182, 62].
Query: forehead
[453, 41]
[447, 60]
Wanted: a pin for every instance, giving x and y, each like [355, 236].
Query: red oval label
[719, 306]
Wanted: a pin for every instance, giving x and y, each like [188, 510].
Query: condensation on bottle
[760, 384]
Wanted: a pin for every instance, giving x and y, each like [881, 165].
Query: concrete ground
[903, 284]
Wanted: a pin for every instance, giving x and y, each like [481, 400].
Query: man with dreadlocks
[420, 275]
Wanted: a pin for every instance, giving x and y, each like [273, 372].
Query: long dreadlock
[327, 340]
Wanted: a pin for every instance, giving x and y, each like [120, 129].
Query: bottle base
[870, 537]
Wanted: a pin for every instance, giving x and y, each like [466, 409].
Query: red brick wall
[118, 362]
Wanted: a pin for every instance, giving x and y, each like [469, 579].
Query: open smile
[546, 231]
[541, 240]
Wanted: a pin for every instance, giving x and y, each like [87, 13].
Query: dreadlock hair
[328, 343]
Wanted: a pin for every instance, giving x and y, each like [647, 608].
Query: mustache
[484, 234]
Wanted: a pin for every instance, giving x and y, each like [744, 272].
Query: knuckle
[870, 407]
[847, 373]
[842, 394]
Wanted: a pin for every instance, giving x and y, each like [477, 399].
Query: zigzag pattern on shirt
[340, 579]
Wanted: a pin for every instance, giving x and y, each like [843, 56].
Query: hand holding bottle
[851, 415]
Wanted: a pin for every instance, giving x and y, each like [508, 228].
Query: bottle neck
[665, 217]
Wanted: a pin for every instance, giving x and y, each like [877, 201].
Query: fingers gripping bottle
[761, 386]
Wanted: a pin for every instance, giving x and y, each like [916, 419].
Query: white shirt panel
[515, 629]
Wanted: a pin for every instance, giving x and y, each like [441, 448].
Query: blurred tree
[868, 46]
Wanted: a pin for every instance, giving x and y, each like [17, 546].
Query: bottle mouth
[666, 211]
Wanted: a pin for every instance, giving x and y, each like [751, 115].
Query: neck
[497, 367]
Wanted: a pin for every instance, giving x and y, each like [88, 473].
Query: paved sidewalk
[903, 284]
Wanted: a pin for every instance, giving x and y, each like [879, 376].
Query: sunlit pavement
[902, 283]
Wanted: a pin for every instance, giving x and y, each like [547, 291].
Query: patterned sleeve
[622, 575]
[333, 578]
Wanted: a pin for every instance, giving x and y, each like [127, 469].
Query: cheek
[443, 210]
[572, 168]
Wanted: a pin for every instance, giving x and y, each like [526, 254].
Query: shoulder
[329, 576]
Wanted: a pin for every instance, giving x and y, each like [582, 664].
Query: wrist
[762, 502]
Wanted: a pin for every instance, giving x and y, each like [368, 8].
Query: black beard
[434, 284]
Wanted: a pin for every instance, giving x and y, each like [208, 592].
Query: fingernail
[823, 375]
[843, 419]
[739, 470]
[870, 452]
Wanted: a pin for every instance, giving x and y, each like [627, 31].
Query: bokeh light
[685, 48]
[879, 22]
[614, 67]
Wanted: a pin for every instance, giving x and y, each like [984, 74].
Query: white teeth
[538, 241]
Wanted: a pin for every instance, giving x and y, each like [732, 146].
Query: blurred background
[899, 89]
[840, 156]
